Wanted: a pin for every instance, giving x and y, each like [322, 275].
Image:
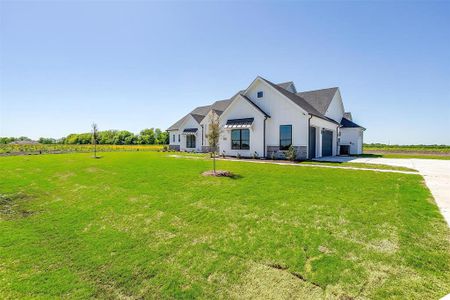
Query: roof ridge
[201, 106]
[330, 88]
[305, 103]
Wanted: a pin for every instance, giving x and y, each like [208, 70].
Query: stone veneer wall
[302, 153]
[206, 149]
[174, 147]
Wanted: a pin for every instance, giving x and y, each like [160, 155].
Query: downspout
[264, 137]
[337, 141]
[202, 137]
[309, 138]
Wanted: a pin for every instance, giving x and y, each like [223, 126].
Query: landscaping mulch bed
[218, 173]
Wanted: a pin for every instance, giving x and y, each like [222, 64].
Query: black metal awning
[190, 130]
[239, 123]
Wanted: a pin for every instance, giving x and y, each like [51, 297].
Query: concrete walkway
[436, 173]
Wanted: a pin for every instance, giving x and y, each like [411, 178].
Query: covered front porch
[323, 137]
[189, 140]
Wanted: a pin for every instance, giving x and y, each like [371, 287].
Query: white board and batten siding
[241, 109]
[354, 138]
[282, 111]
[190, 122]
[336, 109]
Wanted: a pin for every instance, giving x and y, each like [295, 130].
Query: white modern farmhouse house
[265, 119]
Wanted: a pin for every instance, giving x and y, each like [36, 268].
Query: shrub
[272, 156]
[291, 153]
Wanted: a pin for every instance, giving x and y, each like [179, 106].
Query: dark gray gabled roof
[198, 114]
[177, 124]
[346, 123]
[319, 99]
[201, 110]
[198, 118]
[285, 85]
[220, 106]
[299, 101]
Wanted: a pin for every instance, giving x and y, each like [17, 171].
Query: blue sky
[138, 64]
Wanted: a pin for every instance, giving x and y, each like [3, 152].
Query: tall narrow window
[285, 137]
[240, 139]
[179, 138]
[173, 138]
[190, 141]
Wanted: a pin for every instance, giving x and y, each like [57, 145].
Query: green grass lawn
[145, 225]
[390, 154]
[408, 151]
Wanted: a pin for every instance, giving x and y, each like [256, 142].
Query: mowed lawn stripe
[149, 225]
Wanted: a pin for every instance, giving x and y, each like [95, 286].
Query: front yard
[146, 225]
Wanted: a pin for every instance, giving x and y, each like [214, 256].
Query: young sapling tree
[213, 134]
[94, 128]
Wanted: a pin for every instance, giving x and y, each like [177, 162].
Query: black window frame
[179, 138]
[260, 94]
[284, 146]
[241, 145]
[189, 142]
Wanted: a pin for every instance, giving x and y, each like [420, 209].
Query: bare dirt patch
[11, 206]
[65, 175]
[264, 282]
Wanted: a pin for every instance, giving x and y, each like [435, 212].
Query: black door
[190, 141]
[345, 150]
[312, 142]
[327, 143]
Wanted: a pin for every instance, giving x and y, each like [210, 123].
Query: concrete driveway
[436, 173]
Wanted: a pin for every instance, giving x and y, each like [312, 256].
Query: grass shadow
[327, 162]
[236, 176]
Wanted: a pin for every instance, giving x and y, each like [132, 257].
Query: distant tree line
[7, 140]
[148, 136]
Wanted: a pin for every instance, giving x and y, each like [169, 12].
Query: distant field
[409, 151]
[148, 225]
[56, 148]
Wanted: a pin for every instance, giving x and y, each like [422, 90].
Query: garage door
[327, 143]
